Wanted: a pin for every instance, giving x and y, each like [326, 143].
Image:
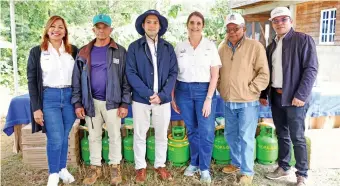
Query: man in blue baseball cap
[151, 70]
[101, 94]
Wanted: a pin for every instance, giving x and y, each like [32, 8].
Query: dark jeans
[190, 98]
[290, 127]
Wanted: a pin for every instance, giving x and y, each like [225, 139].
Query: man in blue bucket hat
[151, 70]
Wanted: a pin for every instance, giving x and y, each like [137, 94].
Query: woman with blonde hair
[49, 74]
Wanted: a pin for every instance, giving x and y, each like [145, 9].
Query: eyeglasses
[282, 20]
[233, 29]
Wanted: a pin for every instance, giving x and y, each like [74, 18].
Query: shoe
[301, 181]
[163, 173]
[53, 179]
[116, 177]
[277, 174]
[246, 180]
[94, 172]
[66, 176]
[205, 177]
[230, 169]
[190, 170]
[140, 175]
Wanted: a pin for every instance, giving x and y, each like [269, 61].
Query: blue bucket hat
[162, 21]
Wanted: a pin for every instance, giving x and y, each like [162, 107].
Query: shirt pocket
[206, 58]
[183, 61]
[46, 63]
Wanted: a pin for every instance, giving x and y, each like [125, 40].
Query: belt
[278, 90]
[59, 86]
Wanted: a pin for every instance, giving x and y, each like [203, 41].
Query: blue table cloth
[18, 113]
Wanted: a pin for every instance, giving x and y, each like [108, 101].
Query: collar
[86, 50]
[143, 40]
[202, 41]
[61, 49]
[287, 35]
[239, 43]
[276, 39]
[149, 40]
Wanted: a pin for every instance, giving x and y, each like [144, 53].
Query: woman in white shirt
[49, 73]
[194, 94]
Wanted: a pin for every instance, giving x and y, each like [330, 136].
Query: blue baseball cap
[102, 18]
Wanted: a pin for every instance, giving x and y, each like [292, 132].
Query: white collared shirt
[194, 64]
[153, 50]
[56, 69]
[277, 77]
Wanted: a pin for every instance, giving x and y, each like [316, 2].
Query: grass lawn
[15, 173]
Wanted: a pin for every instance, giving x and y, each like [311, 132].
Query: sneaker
[66, 176]
[301, 181]
[140, 175]
[277, 174]
[116, 176]
[53, 179]
[163, 173]
[230, 169]
[246, 180]
[205, 177]
[94, 172]
[190, 170]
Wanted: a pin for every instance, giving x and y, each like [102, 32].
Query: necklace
[154, 43]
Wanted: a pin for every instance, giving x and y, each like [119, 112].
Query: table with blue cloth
[19, 113]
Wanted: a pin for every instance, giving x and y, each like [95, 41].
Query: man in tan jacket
[244, 74]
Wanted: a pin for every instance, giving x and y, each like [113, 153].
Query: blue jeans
[290, 128]
[240, 134]
[190, 98]
[59, 117]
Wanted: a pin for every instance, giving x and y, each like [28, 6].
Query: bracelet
[209, 97]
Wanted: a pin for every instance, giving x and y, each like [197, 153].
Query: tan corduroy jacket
[245, 73]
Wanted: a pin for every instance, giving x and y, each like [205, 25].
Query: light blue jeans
[240, 133]
[59, 117]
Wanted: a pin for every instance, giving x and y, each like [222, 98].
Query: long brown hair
[45, 38]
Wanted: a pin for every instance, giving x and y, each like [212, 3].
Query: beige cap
[279, 11]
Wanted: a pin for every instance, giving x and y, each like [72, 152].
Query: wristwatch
[209, 97]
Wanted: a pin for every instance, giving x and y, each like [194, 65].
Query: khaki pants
[113, 124]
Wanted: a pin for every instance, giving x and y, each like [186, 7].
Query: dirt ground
[15, 173]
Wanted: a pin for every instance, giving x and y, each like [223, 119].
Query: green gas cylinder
[105, 147]
[150, 146]
[178, 132]
[267, 146]
[85, 149]
[255, 149]
[221, 149]
[128, 146]
[128, 121]
[178, 149]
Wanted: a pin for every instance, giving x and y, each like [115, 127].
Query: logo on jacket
[115, 61]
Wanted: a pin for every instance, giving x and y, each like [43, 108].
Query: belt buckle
[278, 90]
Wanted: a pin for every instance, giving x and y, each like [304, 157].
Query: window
[327, 26]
